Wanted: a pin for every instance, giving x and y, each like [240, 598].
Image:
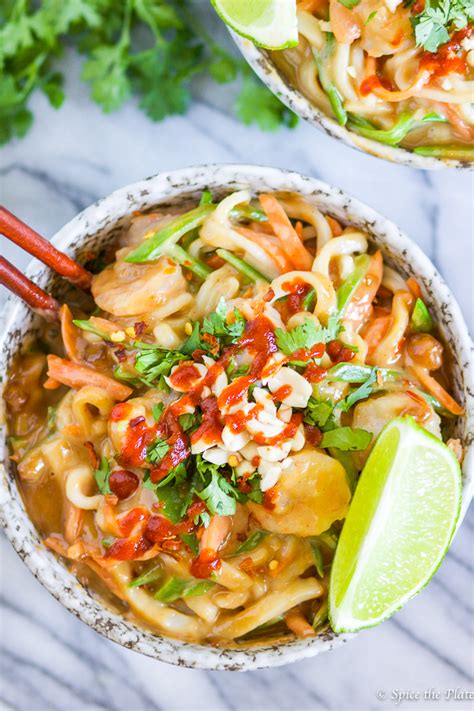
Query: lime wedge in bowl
[399, 526]
[268, 23]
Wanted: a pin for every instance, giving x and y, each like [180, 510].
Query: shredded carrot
[414, 287]
[69, 333]
[216, 533]
[387, 95]
[271, 246]
[299, 229]
[335, 226]
[297, 623]
[51, 384]
[290, 243]
[73, 521]
[76, 376]
[436, 389]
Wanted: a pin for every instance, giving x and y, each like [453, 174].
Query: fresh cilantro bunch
[438, 19]
[149, 48]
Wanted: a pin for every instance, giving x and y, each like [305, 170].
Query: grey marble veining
[49, 660]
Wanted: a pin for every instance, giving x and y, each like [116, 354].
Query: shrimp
[124, 289]
[376, 412]
[389, 29]
[310, 495]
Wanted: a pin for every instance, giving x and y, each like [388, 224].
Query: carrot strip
[436, 389]
[271, 246]
[414, 287]
[290, 243]
[336, 228]
[297, 623]
[76, 376]
[388, 95]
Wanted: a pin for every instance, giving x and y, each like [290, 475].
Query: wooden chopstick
[32, 295]
[29, 240]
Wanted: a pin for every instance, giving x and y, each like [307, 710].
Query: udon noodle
[360, 63]
[191, 445]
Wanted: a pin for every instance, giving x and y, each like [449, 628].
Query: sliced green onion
[241, 266]
[318, 558]
[87, 326]
[349, 286]
[206, 198]
[393, 136]
[335, 98]
[153, 247]
[151, 576]
[421, 321]
[252, 542]
[249, 213]
[198, 588]
[321, 616]
[179, 255]
[171, 590]
[454, 152]
[309, 301]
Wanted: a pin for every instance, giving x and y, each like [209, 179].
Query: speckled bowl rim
[99, 219]
[261, 62]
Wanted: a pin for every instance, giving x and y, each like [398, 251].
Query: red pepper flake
[139, 327]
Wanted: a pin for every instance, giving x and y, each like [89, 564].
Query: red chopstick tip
[37, 299]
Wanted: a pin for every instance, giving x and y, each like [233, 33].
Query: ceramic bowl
[261, 62]
[95, 227]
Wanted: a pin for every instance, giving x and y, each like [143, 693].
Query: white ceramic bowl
[94, 227]
[261, 62]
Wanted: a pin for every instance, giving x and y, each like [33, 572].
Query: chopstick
[29, 240]
[37, 299]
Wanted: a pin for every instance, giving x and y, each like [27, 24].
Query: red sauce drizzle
[185, 376]
[446, 60]
[375, 82]
[211, 426]
[205, 564]
[314, 373]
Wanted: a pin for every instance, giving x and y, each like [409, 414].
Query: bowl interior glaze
[97, 226]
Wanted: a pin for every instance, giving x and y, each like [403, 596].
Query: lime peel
[271, 24]
[401, 521]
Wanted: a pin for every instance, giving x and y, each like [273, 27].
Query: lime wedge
[268, 23]
[398, 528]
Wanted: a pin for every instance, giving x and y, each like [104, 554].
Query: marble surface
[50, 660]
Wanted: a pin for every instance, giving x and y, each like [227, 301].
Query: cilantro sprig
[307, 334]
[438, 19]
[148, 48]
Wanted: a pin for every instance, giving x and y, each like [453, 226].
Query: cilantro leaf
[157, 451]
[151, 48]
[157, 410]
[438, 18]
[255, 104]
[102, 475]
[153, 364]
[216, 323]
[347, 439]
[307, 334]
[318, 413]
[217, 495]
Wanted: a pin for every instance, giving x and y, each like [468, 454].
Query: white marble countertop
[50, 660]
